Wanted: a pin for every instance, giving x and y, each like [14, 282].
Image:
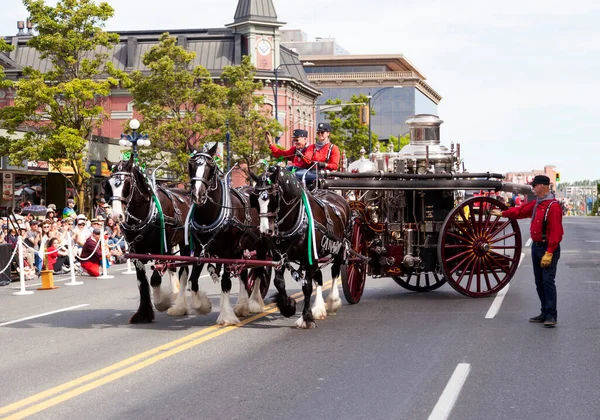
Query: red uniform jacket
[289, 154]
[554, 230]
[312, 155]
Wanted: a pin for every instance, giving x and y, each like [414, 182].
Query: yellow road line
[136, 362]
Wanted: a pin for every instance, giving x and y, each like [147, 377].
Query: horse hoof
[241, 311]
[333, 305]
[163, 306]
[176, 311]
[304, 325]
[137, 318]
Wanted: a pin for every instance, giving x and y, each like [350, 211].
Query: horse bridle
[134, 186]
[274, 190]
[198, 157]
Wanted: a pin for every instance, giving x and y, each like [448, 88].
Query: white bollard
[129, 269]
[72, 264]
[104, 270]
[22, 273]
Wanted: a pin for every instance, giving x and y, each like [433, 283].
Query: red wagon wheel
[354, 273]
[264, 285]
[479, 253]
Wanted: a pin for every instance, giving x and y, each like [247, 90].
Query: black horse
[153, 223]
[223, 225]
[302, 227]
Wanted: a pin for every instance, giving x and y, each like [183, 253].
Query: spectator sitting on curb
[57, 257]
[91, 254]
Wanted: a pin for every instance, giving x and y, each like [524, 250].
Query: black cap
[323, 127]
[300, 133]
[540, 180]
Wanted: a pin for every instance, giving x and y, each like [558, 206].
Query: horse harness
[226, 217]
[141, 226]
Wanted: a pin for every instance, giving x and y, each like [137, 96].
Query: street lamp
[372, 99]
[308, 63]
[134, 139]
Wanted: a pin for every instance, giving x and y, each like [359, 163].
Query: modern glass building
[340, 75]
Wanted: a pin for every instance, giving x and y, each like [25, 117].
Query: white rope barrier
[104, 262]
[21, 270]
[10, 260]
[72, 261]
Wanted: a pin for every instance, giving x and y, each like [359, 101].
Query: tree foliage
[181, 106]
[60, 109]
[346, 130]
[248, 120]
[4, 47]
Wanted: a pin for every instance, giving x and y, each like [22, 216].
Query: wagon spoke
[506, 257]
[460, 238]
[459, 246]
[494, 261]
[502, 227]
[462, 230]
[469, 251]
[462, 274]
[510, 235]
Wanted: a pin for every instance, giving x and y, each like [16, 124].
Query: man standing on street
[546, 233]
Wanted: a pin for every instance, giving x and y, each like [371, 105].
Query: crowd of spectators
[46, 240]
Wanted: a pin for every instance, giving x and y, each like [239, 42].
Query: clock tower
[255, 22]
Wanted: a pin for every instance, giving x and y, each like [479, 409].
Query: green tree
[60, 109]
[4, 47]
[181, 106]
[248, 120]
[346, 131]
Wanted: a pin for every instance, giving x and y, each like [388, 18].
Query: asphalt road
[395, 355]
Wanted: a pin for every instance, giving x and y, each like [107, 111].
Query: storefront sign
[7, 186]
[37, 165]
[62, 166]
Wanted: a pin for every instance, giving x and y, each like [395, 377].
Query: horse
[287, 212]
[152, 222]
[223, 225]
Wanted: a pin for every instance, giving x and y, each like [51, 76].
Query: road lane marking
[528, 242]
[127, 366]
[444, 406]
[493, 311]
[521, 260]
[44, 314]
[497, 303]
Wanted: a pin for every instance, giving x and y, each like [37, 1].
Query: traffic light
[365, 114]
[558, 177]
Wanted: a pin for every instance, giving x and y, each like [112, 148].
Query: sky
[520, 80]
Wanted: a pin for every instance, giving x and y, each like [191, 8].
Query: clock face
[264, 47]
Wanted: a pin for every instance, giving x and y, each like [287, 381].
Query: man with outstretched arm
[546, 233]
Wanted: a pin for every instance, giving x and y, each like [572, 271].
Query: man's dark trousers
[544, 278]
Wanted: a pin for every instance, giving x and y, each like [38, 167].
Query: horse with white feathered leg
[301, 227]
[152, 219]
[222, 224]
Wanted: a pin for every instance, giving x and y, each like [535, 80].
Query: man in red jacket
[321, 155]
[546, 233]
[294, 153]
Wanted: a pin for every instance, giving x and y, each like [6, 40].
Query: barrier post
[73, 282]
[103, 263]
[21, 270]
[129, 269]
